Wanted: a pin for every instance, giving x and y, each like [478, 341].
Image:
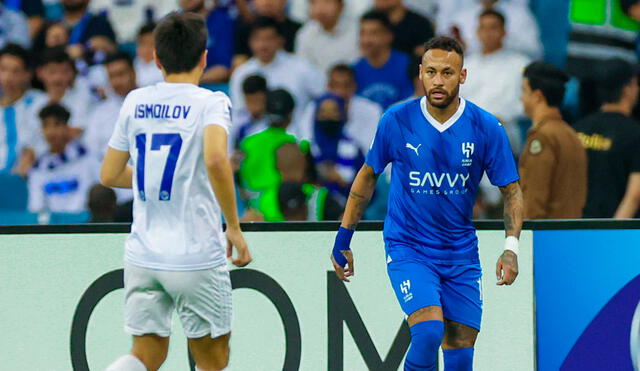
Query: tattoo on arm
[359, 203]
[513, 209]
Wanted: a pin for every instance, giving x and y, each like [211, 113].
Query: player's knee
[457, 343]
[426, 337]
[214, 364]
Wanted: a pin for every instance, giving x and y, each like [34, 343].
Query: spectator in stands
[102, 204]
[33, 10]
[16, 105]
[128, 16]
[523, 34]
[147, 72]
[281, 69]
[410, 29]
[336, 155]
[362, 114]
[553, 164]
[612, 138]
[61, 178]
[495, 75]
[380, 72]
[58, 75]
[51, 35]
[275, 9]
[251, 120]
[90, 33]
[13, 28]
[259, 170]
[328, 38]
[221, 29]
[306, 202]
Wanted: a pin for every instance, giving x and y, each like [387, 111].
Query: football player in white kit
[176, 136]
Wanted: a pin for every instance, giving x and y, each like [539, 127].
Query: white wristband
[511, 244]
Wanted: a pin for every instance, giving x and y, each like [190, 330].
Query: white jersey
[176, 218]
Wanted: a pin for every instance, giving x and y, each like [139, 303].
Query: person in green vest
[259, 173]
[306, 202]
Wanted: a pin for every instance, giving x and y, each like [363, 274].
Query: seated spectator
[328, 38]
[13, 28]
[611, 138]
[259, 170]
[306, 202]
[126, 17]
[251, 120]
[16, 105]
[553, 164]
[410, 29]
[380, 72]
[58, 75]
[61, 178]
[362, 114]
[102, 204]
[221, 29]
[33, 10]
[494, 76]
[337, 157]
[517, 14]
[279, 68]
[275, 9]
[52, 34]
[147, 72]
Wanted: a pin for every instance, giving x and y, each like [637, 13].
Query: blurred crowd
[309, 80]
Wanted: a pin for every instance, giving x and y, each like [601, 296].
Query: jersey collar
[441, 127]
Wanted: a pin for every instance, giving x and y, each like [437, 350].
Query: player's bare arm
[359, 197]
[631, 200]
[507, 266]
[115, 172]
[221, 177]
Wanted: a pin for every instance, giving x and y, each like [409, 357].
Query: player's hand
[347, 271]
[236, 239]
[507, 268]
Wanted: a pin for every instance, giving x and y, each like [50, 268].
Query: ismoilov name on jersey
[161, 111]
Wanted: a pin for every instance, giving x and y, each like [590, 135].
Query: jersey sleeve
[119, 139]
[218, 112]
[634, 155]
[379, 154]
[499, 162]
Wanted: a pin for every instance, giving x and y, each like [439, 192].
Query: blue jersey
[436, 171]
[386, 85]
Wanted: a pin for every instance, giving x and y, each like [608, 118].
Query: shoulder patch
[535, 147]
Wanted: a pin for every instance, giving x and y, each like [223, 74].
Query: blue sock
[458, 359]
[425, 340]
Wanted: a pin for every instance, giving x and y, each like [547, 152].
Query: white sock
[127, 362]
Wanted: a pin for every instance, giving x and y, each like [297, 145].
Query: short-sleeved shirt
[553, 167]
[89, 26]
[412, 31]
[221, 28]
[612, 141]
[177, 222]
[385, 85]
[17, 130]
[437, 168]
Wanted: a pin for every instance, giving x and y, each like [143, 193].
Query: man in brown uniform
[553, 164]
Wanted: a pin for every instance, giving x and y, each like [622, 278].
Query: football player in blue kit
[439, 146]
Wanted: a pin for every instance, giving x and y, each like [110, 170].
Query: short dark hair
[119, 56]
[57, 54]
[549, 79]
[612, 77]
[444, 43]
[180, 40]
[262, 23]
[379, 16]
[280, 105]
[254, 84]
[343, 68]
[146, 29]
[18, 51]
[56, 111]
[493, 13]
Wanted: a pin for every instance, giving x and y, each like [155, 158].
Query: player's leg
[203, 303]
[148, 311]
[462, 308]
[210, 353]
[417, 289]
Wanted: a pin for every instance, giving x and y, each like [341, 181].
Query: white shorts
[201, 298]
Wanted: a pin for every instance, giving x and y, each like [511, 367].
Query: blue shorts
[455, 288]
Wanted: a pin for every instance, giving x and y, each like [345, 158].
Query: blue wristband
[343, 239]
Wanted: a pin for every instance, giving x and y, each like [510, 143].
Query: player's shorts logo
[405, 288]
